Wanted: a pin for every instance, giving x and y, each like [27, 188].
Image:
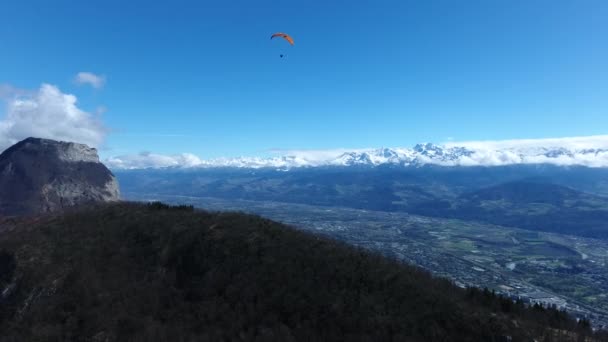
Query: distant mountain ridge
[572, 200]
[419, 155]
[529, 205]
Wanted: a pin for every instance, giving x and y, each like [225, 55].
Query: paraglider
[285, 36]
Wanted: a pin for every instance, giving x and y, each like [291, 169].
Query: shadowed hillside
[529, 205]
[130, 272]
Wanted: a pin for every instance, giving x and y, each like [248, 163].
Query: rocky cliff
[41, 175]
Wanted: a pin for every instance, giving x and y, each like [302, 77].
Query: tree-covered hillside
[134, 272]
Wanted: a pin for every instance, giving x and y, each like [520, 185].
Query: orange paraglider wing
[284, 36]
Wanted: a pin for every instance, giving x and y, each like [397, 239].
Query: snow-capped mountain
[589, 151]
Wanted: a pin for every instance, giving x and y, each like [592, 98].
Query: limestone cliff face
[41, 175]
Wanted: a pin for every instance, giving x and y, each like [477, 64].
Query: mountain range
[560, 152]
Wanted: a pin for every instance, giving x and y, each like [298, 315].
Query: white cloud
[48, 113]
[95, 81]
[151, 160]
[588, 142]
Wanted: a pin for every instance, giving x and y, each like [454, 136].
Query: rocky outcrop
[41, 175]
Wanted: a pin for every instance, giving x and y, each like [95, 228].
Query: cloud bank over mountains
[589, 151]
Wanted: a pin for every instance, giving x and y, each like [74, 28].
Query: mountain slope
[152, 272]
[529, 205]
[526, 192]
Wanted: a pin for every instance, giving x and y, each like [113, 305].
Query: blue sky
[204, 77]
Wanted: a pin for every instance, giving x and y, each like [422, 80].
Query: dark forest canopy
[154, 272]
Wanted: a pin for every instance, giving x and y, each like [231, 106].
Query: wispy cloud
[8, 91]
[154, 135]
[89, 78]
[48, 113]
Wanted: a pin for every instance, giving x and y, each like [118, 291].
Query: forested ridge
[153, 272]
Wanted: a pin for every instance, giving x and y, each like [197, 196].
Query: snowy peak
[588, 151]
[434, 154]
